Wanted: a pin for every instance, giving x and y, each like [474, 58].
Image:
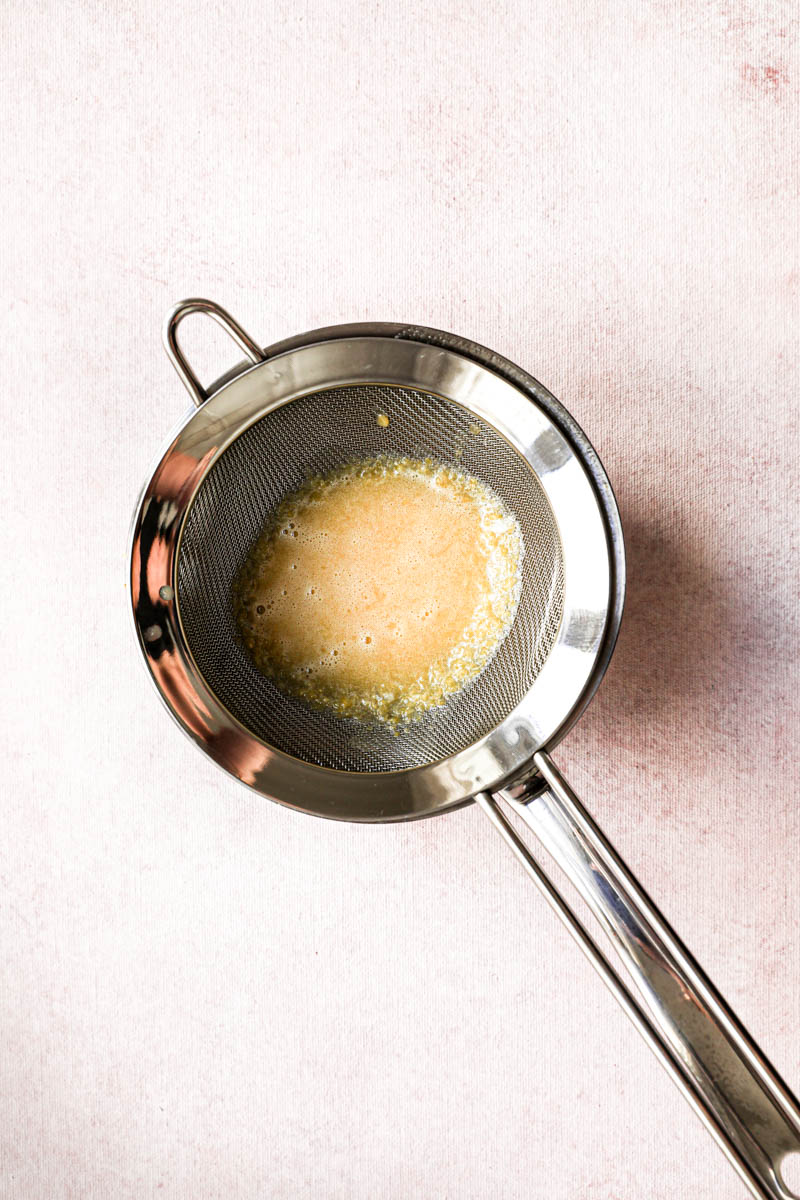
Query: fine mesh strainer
[310, 404]
[248, 482]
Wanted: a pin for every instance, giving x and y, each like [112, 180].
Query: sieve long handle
[710, 1056]
[178, 358]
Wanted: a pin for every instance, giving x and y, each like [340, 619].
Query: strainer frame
[517, 407]
[742, 1100]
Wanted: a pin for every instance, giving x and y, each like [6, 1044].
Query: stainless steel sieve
[309, 404]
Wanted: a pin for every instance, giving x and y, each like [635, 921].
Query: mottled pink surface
[205, 995]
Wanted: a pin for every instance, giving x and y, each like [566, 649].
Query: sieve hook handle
[178, 358]
[710, 1056]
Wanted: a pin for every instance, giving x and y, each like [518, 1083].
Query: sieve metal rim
[202, 437]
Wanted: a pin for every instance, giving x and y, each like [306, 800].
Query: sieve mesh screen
[312, 435]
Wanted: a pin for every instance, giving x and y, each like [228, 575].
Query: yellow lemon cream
[380, 589]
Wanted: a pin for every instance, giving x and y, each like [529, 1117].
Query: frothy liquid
[382, 588]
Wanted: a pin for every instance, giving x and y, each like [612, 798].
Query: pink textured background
[202, 994]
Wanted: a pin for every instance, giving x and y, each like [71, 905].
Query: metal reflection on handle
[708, 1053]
[177, 357]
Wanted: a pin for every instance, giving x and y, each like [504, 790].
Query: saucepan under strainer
[310, 404]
